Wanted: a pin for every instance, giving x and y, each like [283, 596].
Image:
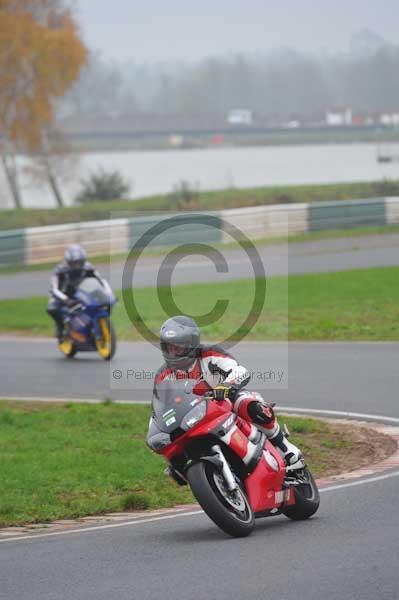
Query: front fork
[219, 460]
[98, 334]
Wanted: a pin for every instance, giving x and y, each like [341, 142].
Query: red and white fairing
[264, 484]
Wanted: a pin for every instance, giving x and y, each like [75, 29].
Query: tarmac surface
[359, 377]
[347, 551]
[278, 259]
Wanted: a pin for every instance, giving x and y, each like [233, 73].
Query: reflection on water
[157, 172]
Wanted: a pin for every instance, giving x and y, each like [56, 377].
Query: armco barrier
[47, 244]
[392, 210]
[12, 247]
[36, 245]
[345, 214]
[265, 221]
[143, 230]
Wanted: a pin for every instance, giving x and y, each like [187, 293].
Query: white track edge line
[99, 527]
[340, 486]
[337, 413]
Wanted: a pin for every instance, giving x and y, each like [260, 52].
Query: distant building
[293, 124]
[389, 119]
[239, 116]
[336, 117]
[358, 120]
[175, 140]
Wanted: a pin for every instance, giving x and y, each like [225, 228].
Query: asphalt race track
[357, 377]
[348, 551]
[306, 257]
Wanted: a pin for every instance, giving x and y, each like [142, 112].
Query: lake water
[158, 171]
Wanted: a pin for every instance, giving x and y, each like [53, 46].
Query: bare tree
[53, 163]
[11, 171]
[41, 55]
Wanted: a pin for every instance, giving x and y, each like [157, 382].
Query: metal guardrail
[36, 245]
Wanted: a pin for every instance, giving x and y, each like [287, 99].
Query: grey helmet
[75, 257]
[179, 341]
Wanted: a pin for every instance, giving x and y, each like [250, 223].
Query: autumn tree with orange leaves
[41, 55]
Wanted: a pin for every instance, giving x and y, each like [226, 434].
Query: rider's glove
[70, 302]
[261, 413]
[222, 391]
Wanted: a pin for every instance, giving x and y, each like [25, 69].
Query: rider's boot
[59, 330]
[58, 322]
[287, 450]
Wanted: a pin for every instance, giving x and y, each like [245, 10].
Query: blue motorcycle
[87, 325]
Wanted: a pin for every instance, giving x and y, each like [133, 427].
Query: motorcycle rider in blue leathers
[65, 280]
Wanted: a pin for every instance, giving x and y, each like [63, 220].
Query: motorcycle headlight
[196, 414]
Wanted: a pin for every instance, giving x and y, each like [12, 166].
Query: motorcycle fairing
[266, 481]
[264, 484]
[212, 420]
[83, 327]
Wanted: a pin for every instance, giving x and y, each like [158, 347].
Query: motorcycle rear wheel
[229, 511]
[307, 498]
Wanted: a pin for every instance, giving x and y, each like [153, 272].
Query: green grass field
[349, 305]
[215, 200]
[66, 461]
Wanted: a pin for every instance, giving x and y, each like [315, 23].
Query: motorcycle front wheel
[106, 345]
[67, 347]
[228, 510]
[307, 497]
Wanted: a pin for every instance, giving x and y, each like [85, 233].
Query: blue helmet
[75, 257]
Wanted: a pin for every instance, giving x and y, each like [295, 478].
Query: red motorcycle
[235, 480]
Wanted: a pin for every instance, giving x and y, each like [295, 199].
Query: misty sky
[176, 29]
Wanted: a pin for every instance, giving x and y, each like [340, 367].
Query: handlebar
[211, 396]
[75, 307]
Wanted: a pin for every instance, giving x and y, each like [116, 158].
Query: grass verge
[67, 461]
[212, 200]
[348, 305]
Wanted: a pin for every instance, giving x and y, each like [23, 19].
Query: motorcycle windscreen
[175, 400]
[93, 292]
